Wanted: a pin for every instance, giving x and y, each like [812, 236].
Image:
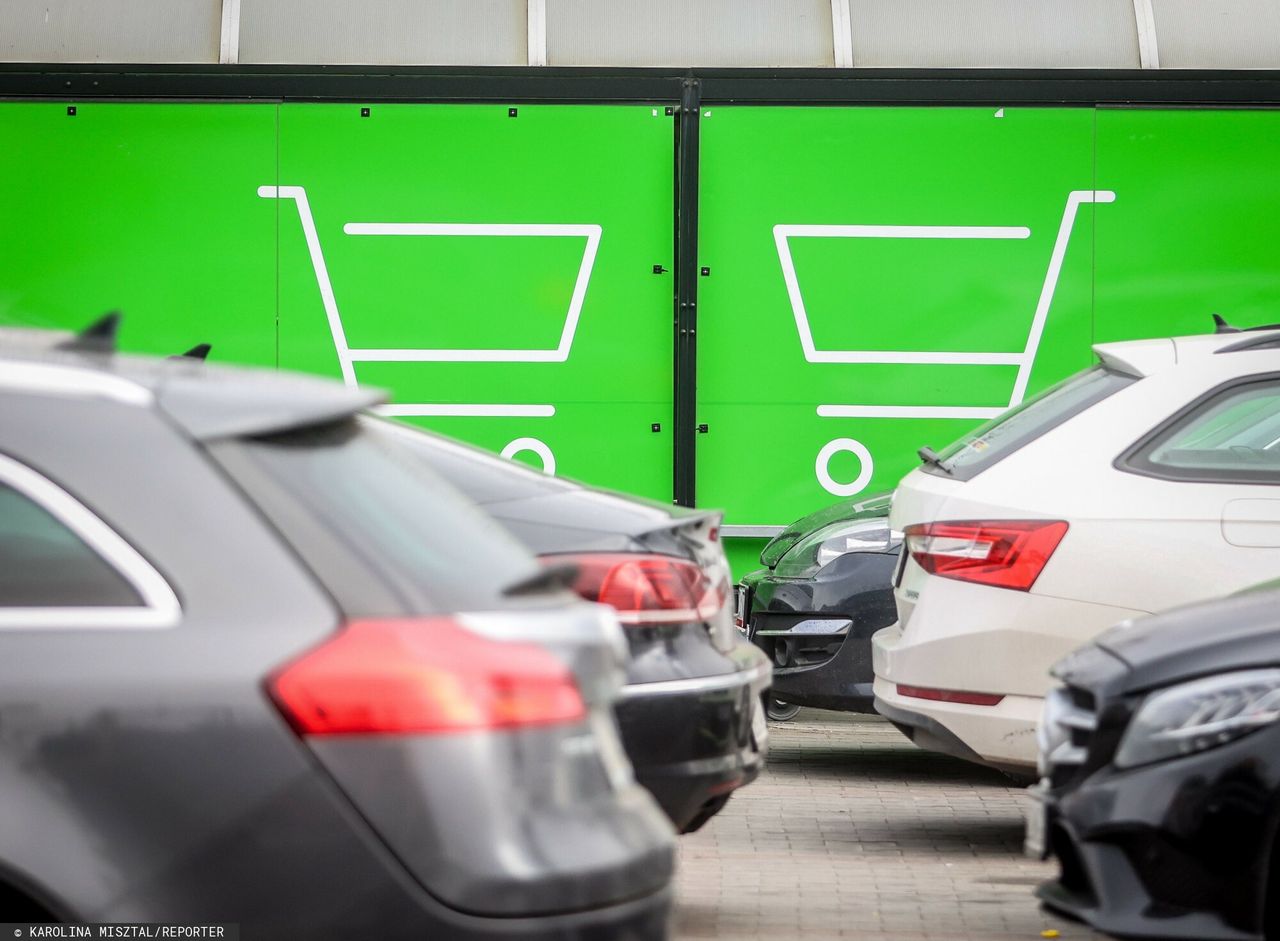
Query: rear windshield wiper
[930, 456]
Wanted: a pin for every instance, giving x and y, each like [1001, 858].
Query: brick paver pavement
[853, 832]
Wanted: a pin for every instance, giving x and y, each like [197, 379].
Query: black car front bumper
[794, 621]
[1176, 849]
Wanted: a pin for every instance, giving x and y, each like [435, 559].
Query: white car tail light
[1001, 553]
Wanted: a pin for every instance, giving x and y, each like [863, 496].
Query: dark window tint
[1019, 426]
[43, 564]
[481, 475]
[405, 525]
[1233, 436]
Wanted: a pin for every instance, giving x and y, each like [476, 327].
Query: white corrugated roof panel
[384, 32]
[689, 32]
[1218, 34]
[134, 31]
[1039, 34]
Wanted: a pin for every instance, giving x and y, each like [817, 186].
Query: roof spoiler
[98, 337]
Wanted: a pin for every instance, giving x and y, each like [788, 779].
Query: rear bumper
[1002, 736]
[979, 639]
[693, 741]
[516, 824]
[644, 919]
[304, 865]
[691, 792]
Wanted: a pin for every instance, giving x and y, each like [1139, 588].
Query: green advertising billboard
[1197, 230]
[871, 279]
[494, 268]
[504, 272]
[882, 279]
[141, 208]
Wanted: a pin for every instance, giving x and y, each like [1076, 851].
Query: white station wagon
[1147, 481]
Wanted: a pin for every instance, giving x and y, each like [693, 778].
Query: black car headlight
[1201, 714]
[823, 546]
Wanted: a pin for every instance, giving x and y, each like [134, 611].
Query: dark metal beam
[1061, 87]
[685, 463]
[1056, 87]
[337, 83]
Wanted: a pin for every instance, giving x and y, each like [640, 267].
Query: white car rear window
[1019, 426]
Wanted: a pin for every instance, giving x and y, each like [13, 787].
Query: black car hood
[1233, 633]
[781, 544]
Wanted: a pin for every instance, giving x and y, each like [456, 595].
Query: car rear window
[400, 520]
[481, 475]
[991, 443]
[1230, 436]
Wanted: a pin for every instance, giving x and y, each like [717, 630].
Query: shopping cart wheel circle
[537, 447]
[822, 467]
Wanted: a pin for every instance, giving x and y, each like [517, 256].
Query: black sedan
[260, 665]
[827, 586]
[1161, 761]
[690, 710]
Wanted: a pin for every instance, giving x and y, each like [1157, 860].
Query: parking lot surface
[852, 831]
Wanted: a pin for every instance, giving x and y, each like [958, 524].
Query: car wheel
[1020, 780]
[780, 711]
[709, 810]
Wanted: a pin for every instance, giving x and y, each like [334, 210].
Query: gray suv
[258, 665]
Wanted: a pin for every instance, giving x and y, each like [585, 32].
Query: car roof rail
[98, 337]
[1270, 342]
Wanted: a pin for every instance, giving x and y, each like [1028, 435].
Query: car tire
[709, 810]
[1020, 779]
[780, 711]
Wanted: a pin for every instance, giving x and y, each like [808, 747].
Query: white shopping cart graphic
[349, 356]
[1024, 360]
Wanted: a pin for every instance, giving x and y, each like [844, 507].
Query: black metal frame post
[685, 445]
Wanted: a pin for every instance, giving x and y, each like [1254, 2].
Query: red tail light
[950, 695]
[1003, 553]
[646, 589]
[425, 675]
